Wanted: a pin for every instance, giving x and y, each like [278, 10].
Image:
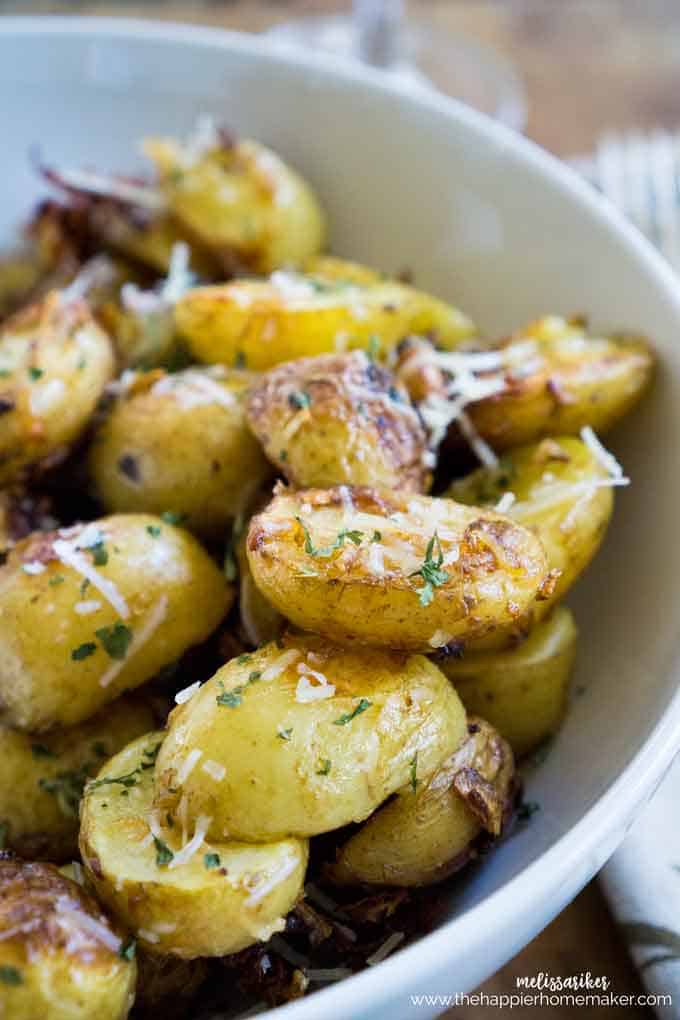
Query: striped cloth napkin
[641, 174]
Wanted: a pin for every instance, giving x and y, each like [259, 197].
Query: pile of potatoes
[250, 446]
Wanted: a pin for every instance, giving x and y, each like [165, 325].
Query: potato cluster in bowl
[309, 507]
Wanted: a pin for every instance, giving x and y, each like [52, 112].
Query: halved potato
[340, 418]
[60, 956]
[564, 495]
[572, 379]
[261, 323]
[302, 737]
[260, 621]
[522, 691]
[428, 830]
[54, 364]
[409, 572]
[43, 777]
[181, 893]
[239, 199]
[180, 441]
[91, 611]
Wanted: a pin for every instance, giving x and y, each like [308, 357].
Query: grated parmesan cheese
[263, 889]
[45, 397]
[376, 562]
[601, 453]
[188, 765]
[96, 272]
[184, 855]
[87, 606]
[71, 556]
[281, 664]
[214, 770]
[307, 691]
[186, 693]
[34, 567]
[505, 502]
[139, 638]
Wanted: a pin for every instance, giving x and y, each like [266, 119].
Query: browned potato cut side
[407, 572]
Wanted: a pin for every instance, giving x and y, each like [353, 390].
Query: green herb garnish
[128, 949]
[41, 751]
[527, 810]
[299, 400]
[211, 861]
[154, 530]
[413, 767]
[127, 780]
[376, 536]
[324, 767]
[229, 699]
[67, 788]
[55, 580]
[115, 640]
[83, 651]
[35, 373]
[373, 347]
[347, 717]
[431, 571]
[173, 517]
[10, 975]
[285, 734]
[324, 552]
[163, 853]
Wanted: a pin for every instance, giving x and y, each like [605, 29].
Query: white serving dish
[491, 222]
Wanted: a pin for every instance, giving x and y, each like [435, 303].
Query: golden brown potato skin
[240, 201]
[54, 964]
[262, 323]
[339, 419]
[189, 909]
[345, 563]
[560, 497]
[306, 767]
[427, 832]
[55, 669]
[522, 691]
[54, 362]
[43, 777]
[179, 441]
[578, 380]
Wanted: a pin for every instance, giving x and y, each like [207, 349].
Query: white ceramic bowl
[491, 222]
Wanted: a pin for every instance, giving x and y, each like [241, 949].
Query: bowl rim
[538, 889]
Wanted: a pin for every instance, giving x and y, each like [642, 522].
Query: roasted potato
[180, 441]
[181, 893]
[293, 315]
[522, 691]
[54, 363]
[43, 777]
[572, 379]
[408, 572]
[562, 493]
[60, 956]
[19, 274]
[91, 611]
[239, 199]
[340, 418]
[301, 737]
[429, 829]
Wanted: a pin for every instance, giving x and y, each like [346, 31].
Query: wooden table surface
[589, 66]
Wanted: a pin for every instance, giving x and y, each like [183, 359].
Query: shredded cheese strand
[72, 557]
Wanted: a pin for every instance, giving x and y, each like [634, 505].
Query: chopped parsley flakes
[431, 571]
[324, 767]
[128, 948]
[163, 853]
[10, 975]
[115, 640]
[172, 517]
[211, 861]
[83, 651]
[41, 751]
[299, 400]
[154, 530]
[285, 734]
[324, 551]
[35, 373]
[347, 717]
[413, 767]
